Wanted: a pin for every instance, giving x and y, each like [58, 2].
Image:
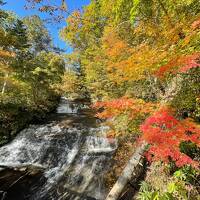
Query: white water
[75, 158]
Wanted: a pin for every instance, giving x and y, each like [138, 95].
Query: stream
[64, 158]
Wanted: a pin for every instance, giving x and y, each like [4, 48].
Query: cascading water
[72, 151]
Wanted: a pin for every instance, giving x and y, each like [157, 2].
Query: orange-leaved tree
[180, 64]
[133, 107]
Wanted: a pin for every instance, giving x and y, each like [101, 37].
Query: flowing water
[72, 149]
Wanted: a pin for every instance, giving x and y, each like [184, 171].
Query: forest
[136, 61]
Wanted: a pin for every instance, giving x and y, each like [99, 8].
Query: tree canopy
[29, 67]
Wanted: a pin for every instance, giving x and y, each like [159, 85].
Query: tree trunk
[172, 89]
[130, 172]
[4, 84]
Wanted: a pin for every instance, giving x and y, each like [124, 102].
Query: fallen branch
[130, 172]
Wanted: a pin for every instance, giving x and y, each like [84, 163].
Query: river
[71, 151]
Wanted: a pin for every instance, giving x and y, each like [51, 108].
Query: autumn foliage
[196, 24]
[139, 55]
[165, 133]
[181, 64]
[133, 107]
[161, 130]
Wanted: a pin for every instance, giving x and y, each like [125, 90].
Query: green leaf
[171, 187]
[134, 10]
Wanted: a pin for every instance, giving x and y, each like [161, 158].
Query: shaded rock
[17, 182]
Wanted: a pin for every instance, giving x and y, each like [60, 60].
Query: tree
[13, 44]
[2, 2]
[23, 54]
[55, 10]
[165, 134]
[5, 56]
[38, 35]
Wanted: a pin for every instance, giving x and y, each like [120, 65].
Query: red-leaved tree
[165, 133]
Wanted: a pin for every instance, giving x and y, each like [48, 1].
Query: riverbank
[14, 118]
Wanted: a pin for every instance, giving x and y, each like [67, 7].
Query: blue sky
[18, 7]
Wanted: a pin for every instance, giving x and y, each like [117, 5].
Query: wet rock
[16, 182]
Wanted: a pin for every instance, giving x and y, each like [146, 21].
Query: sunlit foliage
[28, 70]
[165, 134]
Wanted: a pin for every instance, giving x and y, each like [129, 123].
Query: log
[129, 173]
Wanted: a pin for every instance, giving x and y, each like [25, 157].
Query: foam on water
[74, 158]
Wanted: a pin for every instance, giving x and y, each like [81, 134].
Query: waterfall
[74, 155]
